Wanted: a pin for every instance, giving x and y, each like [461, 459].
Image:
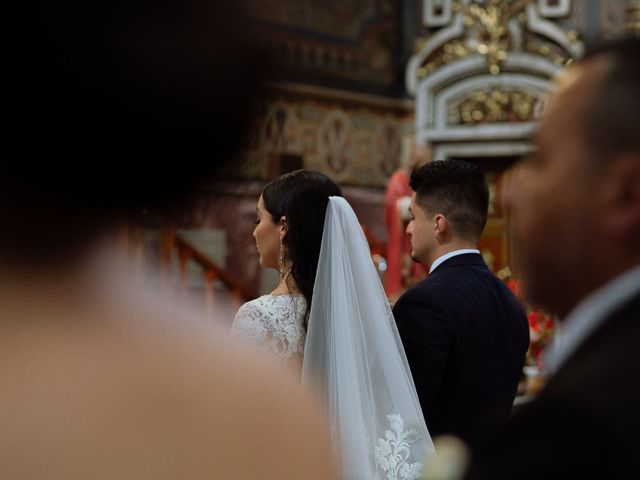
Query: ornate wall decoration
[554, 8]
[479, 76]
[492, 105]
[354, 42]
[388, 146]
[436, 13]
[279, 132]
[335, 18]
[493, 29]
[335, 141]
[354, 143]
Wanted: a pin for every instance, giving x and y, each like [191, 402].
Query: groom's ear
[441, 224]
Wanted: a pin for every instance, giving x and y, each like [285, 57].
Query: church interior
[361, 84]
[317, 255]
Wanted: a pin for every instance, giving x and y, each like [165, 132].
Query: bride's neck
[287, 285]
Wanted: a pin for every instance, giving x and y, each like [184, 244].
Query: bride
[329, 322]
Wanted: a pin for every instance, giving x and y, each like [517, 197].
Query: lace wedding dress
[275, 323]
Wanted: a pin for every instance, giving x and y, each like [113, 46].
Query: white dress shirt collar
[447, 256]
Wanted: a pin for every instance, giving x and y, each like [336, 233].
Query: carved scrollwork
[495, 29]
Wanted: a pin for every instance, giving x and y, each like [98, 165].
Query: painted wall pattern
[353, 144]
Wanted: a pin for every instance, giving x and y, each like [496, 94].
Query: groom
[464, 332]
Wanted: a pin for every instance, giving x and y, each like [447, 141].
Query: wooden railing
[173, 243]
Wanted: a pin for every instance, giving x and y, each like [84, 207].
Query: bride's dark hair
[302, 197]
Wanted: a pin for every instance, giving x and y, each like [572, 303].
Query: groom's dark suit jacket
[586, 421]
[465, 335]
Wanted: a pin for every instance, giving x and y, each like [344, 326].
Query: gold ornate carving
[489, 31]
[493, 105]
[450, 52]
[488, 27]
[493, 36]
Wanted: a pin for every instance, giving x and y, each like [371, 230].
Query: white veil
[354, 357]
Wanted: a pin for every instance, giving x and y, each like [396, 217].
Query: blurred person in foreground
[575, 208]
[115, 106]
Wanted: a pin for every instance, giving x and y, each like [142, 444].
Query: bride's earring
[281, 268]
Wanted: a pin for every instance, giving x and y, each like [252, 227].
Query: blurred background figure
[401, 271]
[116, 106]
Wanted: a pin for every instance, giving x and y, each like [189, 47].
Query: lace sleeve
[274, 323]
[249, 323]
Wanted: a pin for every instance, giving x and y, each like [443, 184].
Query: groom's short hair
[458, 190]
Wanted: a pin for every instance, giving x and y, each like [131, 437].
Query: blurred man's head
[575, 202]
[116, 105]
[449, 208]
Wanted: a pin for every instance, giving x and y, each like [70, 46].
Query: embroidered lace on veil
[355, 359]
